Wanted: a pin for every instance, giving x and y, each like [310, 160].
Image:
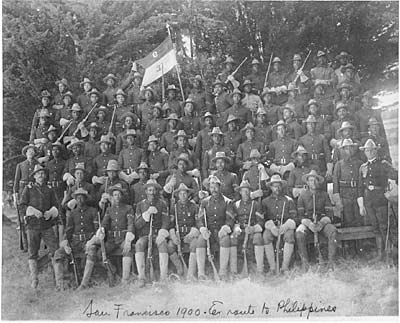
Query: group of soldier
[244, 167]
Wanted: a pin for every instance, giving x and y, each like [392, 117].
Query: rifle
[73, 263]
[185, 268]
[64, 131]
[22, 233]
[237, 68]
[387, 251]
[278, 242]
[68, 138]
[301, 68]
[112, 119]
[150, 250]
[269, 67]
[209, 255]
[316, 242]
[245, 270]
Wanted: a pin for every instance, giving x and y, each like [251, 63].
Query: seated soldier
[167, 140]
[158, 161]
[182, 147]
[151, 213]
[217, 137]
[91, 148]
[128, 122]
[245, 148]
[314, 215]
[367, 112]
[255, 175]
[280, 213]
[137, 189]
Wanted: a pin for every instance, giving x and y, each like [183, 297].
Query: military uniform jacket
[252, 102]
[323, 205]
[281, 149]
[173, 155]
[294, 130]
[84, 101]
[222, 103]
[155, 127]
[362, 118]
[203, 143]
[202, 101]
[100, 163]
[296, 174]
[219, 211]
[352, 106]
[191, 125]
[64, 113]
[257, 79]
[253, 177]
[111, 182]
[324, 73]
[187, 214]
[134, 95]
[338, 154]
[232, 140]
[81, 221]
[161, 219]
[58, 98]
[322, 127]
[243, 152]
[299, 107]
[186, 179]
[130, 158]
[108, 95]
[144, 111]
[91, 198]
[383, 151]
[318, 149]
[91, 149]
[240, 112]
[167, 140]
[39, 132]
[22, 173]
[337, 124]
[158, 163]
[273, 208]
[119, 218]
[41, 198]
[229, 181]
[120, 110]
[209, 155]
[345, 178]
[139, 193]
[172, 106]
[276, 78]
[56, 170]
[273, 113]
[326, 107]
[242, 209]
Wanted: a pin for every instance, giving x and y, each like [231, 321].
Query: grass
[357, 288]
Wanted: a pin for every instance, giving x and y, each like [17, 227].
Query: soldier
[100, 161]
[158, 160]
[250, 100]
[63, 114]
[226, 75]
[366, 112]
[245, 148]
[344, 58]
[263, 130]
[238, 110]
[138, 191]
[157, 125]
[203, 140]
[322, 127]
[182, 148]
[77, 128]
[314, 214]
[38, 134]
[190, 121]
[94, 101]
[273, 110]
[110, 91]
[349, 72]
[38, 203]
[280, 150]
[45, 151]
[317, 147]
[250, 218]
[276, 82]
[168, 137]
[294, 130]
[129, 121]
[118, 223]
[222, 101]
[122, 109]
[80, 228]
[323, 74]
[255, 175]
[92, 149]
[183, 230]
[373, 179]
[217, 137]
[229, 181]
[233, 138]
[133, 84]
[303, 81]
[76, 146]
[63, 87]
[374, 130]
[342, 116]
[172, 104]
[84, 99]
[346, 131]
[280, 214]
[216, 222]
[298, 103]
[45, 99]
[325, 103]
[202, 99]
[151, 211]
[256, 76]
[145, 109]
[346, 96]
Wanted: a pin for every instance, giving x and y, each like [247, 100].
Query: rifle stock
[301, 68]
[278, 242]
[269, 67]
[316, 242]
[210, 257]
[185, 268]
[245, 270]
[150, 250]
[73, 263]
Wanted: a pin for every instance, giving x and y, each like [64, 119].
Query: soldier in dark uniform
[132, 87]
[294, 130]
[303, 80]
[256, 76]
[138, 189]
[299, 103]
[129, 121]
[255, 175]
[38, 203]
[226, 75]
[349, 72]
[325, 103]
[273, 111]
[202, 99]
[217, 137]
[100, 161]
[190, 121]
[76, 146]
[109, 93]
[280, 215]
[238, 110]
[374, 132]
[172, 104]
[157, 125]
[123, 109]
[250, 100]
[38, 134]
[45, 98]
[152, 210]
[168, 137]
[243, 152]
[222, 101]
[346, 96]
[219, 224]
[203, 140]
[373, 178]
[63, 87]
[145, 109]
[101, 115]
[84, 99]
[158, 161]
[46, 148]
[310, 202]
[63, 114]
[277, 81]
[80, 228]
[342, 116]
[346, 131]
[92, 149]
[322, 127]
[233, 138]
[323, 74]
[250, 218]
[366, 112]
[94, 102]
[229, 181]
[183, 230]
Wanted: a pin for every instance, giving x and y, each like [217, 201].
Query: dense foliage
[46, 40]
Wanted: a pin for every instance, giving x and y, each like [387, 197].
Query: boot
[59, 274]
[379, 248]
[302, 248]
[270, 255]
[223, 262]
[332, 246]
[140, 265]
[201, 263]
[163, 266]
[86, 274]
[126, 269]
[259, 255]
[177, 263]
[33, 268]
[233, 261]
[287, 256]
[192, 266]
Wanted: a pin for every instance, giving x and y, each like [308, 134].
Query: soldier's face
[120, 99]
[296, 65]
[349, 73]
[319, 90]
[55, 152]
[365, 101]
[42, 120]
[312, 183]
[183, 196]
[341, 113]
[104, 147]
[313, 109]
[220, 164]
[87, 87]
[218, 89]
[128, 121]
[80, 199]
[171, 94]
[276, 188]
[346, 133]
[182, 165]
[255, 67]
[76, 150]
[137, 80]
[30, 153]
[281, 131]
[301, 158]
[371, 153]
[247, 88]
[156, 112]
[150, 192]
[229, 66]
[172, 124]
[45, 101]
[40, 176]
[101, 115]
[61, 87]
[249, 134]
[189, 107]
[236, 98]
[116, 197]
[67, 100]
[261, 118]
[208, 121]
[343, 60]
[311, 126]
[197, 84]
[148, 95]
[345, 93]
[111, 174]
[93, 132]
[214, 189]
[110, 82]
[152, 146]
[232, 126]
[51, 135]
[75, 115]
[79, 175]
[94, 98]
[142, 174]
[130, 140]
[287, 114]
[276, 67]
[245, 194]
[216, 139]
[180, 141]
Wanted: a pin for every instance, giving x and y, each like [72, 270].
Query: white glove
[100, 234]
[124, 176]
[40, 141]
[72, 204]
[51, 213]
[360, 202]
[81, 125]
[151, 210]
[99, 180]
[256, 194]
[297, 191]
[67, 248]
[162, 235]
[337, 200]
[169, 187]
[195, 173]
[63, 122]
[299, 72]
[307, 222]
[173, 236]
[105, 197]
[134, 176]
[288, 225]
[31, 211]
[205, 233]
[257, 228]
[203, 194]
[193, 234]
[155, 175]
[164, 151]
[270, 225]
[230, 78]
[224, 231]
[44, 159]
[92, 241]
[249, 229]
[236, 231]
[247, 164]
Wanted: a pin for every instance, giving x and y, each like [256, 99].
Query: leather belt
[118, 234]
[281, 162]
[317, 156]
[82, 236]
[184, 229]
[352, 183]
[301, 186]
[325, 116]
[25, 182]
[128, 171]
[373, 188]
[55, 183]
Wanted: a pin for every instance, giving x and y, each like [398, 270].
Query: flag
[159, 62]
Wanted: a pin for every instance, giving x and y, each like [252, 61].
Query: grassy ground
[355, 288]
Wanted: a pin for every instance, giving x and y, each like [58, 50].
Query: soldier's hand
[224, 231]
[203, 194]
[146, 216]
[100, 234]
[363, 211]
[152, 210]
[205, 233]
[164, 151]
[155, 175]
[70, 181]
[249, 229]
[247, 164]
[105, 197]
[256, 194]
[230, 78]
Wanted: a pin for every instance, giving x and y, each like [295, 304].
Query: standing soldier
[80, 228]
[273, 111]
[92, 149]
[299, 103]
[226, 75]
[344, 58]
[222, 101]
[157, 125]
[245, 148]
[123, 109]
[342, 117]
[183, 230]
[349, 72]
[233, 138]
[158, 161]
[294, 129]
[84, 99]
[190, 121]
[280, 215]
[373, 178]
[374, 133]
[77, 128]
[202, 99]
[255, 174]
[145, 109]
[277, 80]
[346, 96]
[109, 92]
[325, 103]
[129, 122]
[63, 87]
[63, 114]
[303, 81]
[138, 189]
[132, 87]
[322, 127]
[346, 131]
[76, 146]
[366, 112]
[172, 104]
[280, 150]
[39, 134]
[314, 214]
[181, 140]
[38, 203]
[323, 74]
[250, 100]
[45, 99]
[151, 211]
[256, 76]
[218, 226]
[100, 162]
[101, 118]
[217, 137]
[250, 219]
[229, 181]
[95, 102]
[168, 137]
[203, 140]
[238, 110]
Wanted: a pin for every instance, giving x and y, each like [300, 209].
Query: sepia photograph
[200, 160]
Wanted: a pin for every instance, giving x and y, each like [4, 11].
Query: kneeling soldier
[315, 213]
[280, 215]
[118, 223]
[80, 228]
[151, 212]
[38, 203]
[183, 215]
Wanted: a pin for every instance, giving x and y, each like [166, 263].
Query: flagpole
[176, 66]
[162, 84]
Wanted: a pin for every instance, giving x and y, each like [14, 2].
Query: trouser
[34, 238]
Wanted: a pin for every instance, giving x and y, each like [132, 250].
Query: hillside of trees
[44, 41]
